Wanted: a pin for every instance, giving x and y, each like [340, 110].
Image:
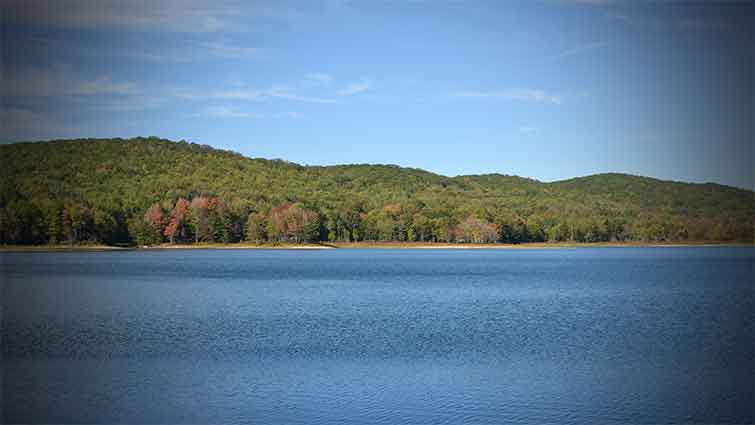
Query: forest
[149, 191]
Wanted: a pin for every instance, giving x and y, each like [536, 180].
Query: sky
[542, 89]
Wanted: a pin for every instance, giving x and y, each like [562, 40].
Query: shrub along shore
[363, 245]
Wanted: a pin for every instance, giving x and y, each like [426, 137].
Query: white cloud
[62, 87]
[621, 17]
[20, 119]
[681, 24]
[646, 15]
[103, 85]
[701, 24]
[141, 15]
[222, 111]
[128, 103]
[355, 88]
[26, 124]
[247, 94]
[59, 82]
[235, 94]
[529, 95]
[224, 49]
[523, 95]
[170, 52]
[225, 112]
[283, 93]
[320, 78]
[580, 49]
[588, 2]
[289, 114]
[239, 94]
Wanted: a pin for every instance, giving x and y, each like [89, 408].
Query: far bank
[365, 245]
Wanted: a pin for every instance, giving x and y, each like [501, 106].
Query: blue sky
[542, 89]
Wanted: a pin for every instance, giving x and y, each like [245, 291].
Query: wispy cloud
[616, 16]
[670, 23]
[63, 83]
[235, 94]
[588, 2]
[355, 88]
[289, 114]
[169, 15]
[320, 78]
[130, 103]
[20, 118]
[701, 24]
[172, 52]
[580, 49]
[27, 124]
[225, 112]
[247, 94]
[645, 14]
[103, 85]
[518, 94]
[224, 49]
[63, 86]
[60, 81]
[283, 93]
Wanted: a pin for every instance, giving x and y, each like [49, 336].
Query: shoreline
[369, 245]
[531, 245]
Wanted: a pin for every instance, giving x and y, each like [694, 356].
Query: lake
[586, 335]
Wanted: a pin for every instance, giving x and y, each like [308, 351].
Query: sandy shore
[242, 245]
[529, 245]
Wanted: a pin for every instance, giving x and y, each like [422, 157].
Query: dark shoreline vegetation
[150, 191]
[316, 246]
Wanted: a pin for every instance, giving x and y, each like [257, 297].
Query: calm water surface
[589, 335]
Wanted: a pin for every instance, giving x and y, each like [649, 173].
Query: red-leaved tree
[155, 222]
[177, 223]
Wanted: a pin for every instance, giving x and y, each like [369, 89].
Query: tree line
[203, 219]
[146, 191]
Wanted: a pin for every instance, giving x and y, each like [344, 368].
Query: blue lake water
[587, 335]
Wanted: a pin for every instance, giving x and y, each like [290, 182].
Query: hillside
[148, 190]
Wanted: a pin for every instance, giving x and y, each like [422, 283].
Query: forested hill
[148, 190]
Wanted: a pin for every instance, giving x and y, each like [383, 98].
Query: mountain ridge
[369, 164]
